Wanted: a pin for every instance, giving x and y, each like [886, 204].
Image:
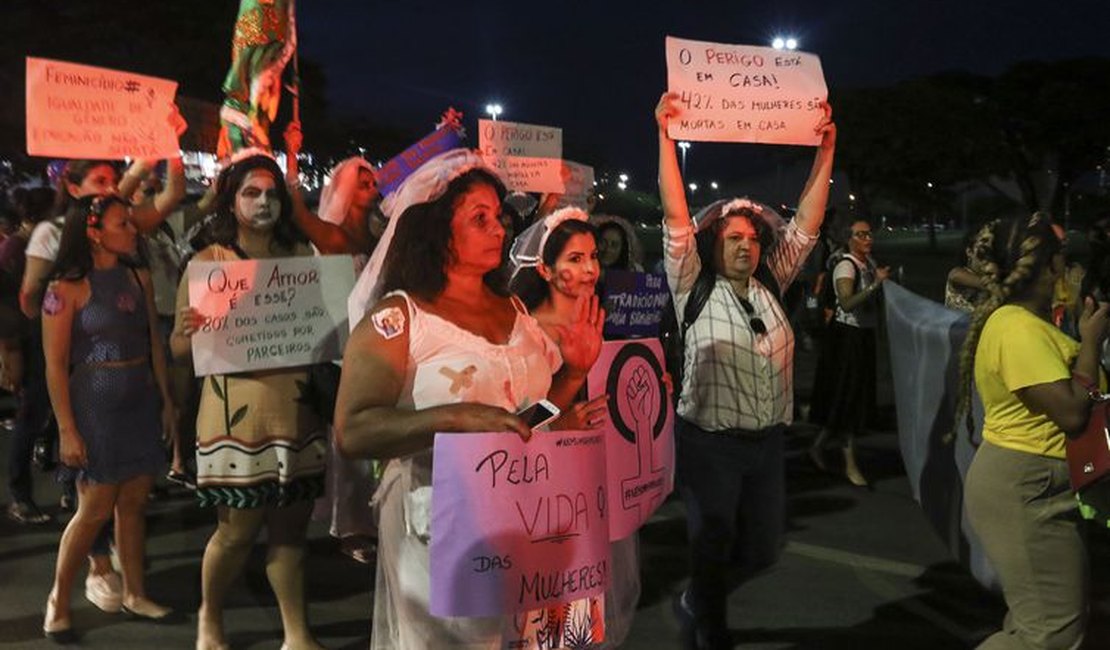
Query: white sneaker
[105, 591]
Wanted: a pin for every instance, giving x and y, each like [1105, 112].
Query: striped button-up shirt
[733, 377]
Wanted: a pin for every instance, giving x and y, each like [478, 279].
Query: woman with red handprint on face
[555, 265]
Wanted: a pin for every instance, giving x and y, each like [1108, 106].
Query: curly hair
[1008, 256]
[418, 257]
[527, 284]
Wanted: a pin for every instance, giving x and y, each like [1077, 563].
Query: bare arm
[961, 277]
[368, 422]
[149, 215]
[1067, 402]
[186, 319]
[671, 191]
[847, 296]
[29, 291]
[57, 322]
[815, 195]
[157, 351]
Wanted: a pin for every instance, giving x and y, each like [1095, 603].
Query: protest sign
[639, 438]
[498, 139]
[389, 177]
[578, 184]
[529, 174]
[743, 93]
[269, 313]
[517, 526]
[634, 303]
[80, 111]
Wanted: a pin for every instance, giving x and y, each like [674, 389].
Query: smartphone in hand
[539, 414]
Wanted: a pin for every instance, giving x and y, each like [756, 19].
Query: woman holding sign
[260, 448]
[727, 269]
[555, 261]
[444, 348]
[105, 371]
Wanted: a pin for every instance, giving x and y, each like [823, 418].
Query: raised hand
[580, 341]
[665, 110]
[826, 127]
[294, 138]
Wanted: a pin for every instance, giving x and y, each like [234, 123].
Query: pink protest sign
[744, 93]
[639, 439]
[79, 111]
[517, 526]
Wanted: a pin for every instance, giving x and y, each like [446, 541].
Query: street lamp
[713, 184]
[623, 177]
[622, 185]
[494, 110]
[693, 187]
[788, 43]
[684, 145]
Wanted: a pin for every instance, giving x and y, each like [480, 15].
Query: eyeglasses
[758, 326]
[863, 234]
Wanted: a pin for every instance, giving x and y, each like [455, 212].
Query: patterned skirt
[272, 472]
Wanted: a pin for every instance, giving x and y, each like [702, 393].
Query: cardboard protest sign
[527, 156]
[639, 439]
[80, 111]
[517, 526]
[498, 139]
[578, 184]
[529, 174]
[634, 303]
[389, 177]
[743, 93]
[269, 313]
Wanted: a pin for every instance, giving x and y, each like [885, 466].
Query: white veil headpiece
[426, 184]
[335, 200]
[527, 250]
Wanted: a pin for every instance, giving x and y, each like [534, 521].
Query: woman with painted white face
[260, 450]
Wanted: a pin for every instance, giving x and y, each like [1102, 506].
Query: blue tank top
[113, 325]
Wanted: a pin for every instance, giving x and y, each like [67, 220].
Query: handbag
[1089, 453]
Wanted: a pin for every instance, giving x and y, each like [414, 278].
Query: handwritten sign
[269, 313]
[391, 174]
[578, 184]
[517, 526]
[634, 303]
[497, 139]
[80, 111]
[639, 439]
[529, 174]
[743, 93]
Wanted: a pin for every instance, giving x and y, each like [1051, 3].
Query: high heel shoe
[58, 631]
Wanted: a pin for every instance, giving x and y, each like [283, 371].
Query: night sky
[596, 68]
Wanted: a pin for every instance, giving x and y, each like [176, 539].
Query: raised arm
[579, 345]
[815, 195]
[329, 238]
[672, 193]
[368, 422]
[148, 216]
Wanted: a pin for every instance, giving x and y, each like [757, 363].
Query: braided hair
[1008, 256]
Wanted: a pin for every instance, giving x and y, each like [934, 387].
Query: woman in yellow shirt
[1034, 382]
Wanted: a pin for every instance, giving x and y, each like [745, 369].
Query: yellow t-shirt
[1017, 350]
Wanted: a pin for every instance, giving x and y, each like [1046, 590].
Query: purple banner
[400, 166]
[517, 526]
[634, 303]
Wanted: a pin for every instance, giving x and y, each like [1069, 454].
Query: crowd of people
[473, 304]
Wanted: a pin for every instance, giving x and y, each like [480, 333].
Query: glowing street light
[788, 43]
[622, 185]
[713, 184]
[693, 187]
[493, 110]
[623, 177]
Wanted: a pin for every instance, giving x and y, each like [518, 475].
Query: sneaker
[27, 513]
[105, 591]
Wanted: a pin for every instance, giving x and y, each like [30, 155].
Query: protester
[265, 465]
[964, 289]
[554, 262]
[1035, 383]
[844, 394]
[437, 296]
[737, 386]
[106, 371]
[618, 246]
[17, 347]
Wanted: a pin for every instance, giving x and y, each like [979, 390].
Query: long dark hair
[75, 172]
[624, 261]
[527, 284]
[420, 252]
[74, 260]
[223, 227]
